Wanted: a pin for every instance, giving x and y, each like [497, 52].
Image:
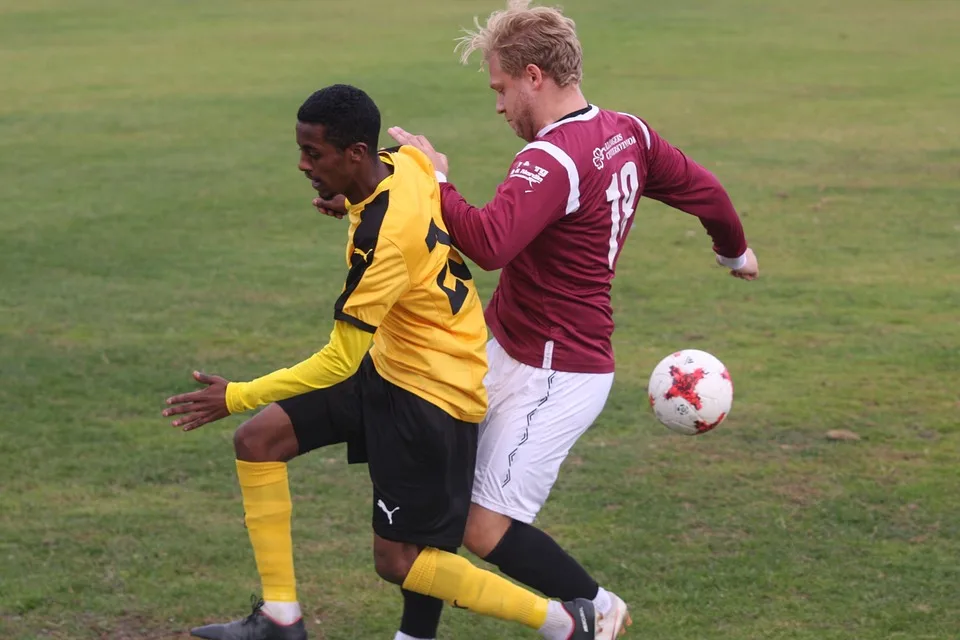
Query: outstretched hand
[438, 159]
[201, 407]
[749, 271]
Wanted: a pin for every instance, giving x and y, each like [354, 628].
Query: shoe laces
[257, 604]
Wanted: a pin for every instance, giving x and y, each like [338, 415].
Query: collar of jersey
[577, 116]
[357, 209]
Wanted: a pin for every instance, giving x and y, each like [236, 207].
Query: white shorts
[534, 418]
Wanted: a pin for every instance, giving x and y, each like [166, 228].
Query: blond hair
[520, 35]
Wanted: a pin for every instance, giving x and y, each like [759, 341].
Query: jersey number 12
[622, 196]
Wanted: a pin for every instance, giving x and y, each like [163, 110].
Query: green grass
[152, 221]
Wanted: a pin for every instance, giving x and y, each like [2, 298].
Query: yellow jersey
[408, 293]
[412, 290]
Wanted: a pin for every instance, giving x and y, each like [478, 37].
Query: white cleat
[614, 622]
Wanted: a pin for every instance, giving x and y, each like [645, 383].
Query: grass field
[152, 221]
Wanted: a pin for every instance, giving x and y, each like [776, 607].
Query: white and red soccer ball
[690, 392]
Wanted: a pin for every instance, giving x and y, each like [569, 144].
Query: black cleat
[256, 626]
[584, 616]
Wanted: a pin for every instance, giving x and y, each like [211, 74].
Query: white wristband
[733, 263]
[440, 177]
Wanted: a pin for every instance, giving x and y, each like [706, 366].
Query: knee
[267, 437]
[249, 443]
[480, 541]
[485, 529]
[391, 564]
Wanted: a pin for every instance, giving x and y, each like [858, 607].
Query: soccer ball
[690, 392]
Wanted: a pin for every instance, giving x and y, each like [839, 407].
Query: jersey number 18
[622, 196]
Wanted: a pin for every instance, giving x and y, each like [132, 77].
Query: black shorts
[421, 459]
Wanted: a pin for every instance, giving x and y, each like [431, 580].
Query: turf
[152, 221]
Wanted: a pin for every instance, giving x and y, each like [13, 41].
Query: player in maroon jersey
[555, 227]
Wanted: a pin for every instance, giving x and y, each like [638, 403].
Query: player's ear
[357, 152]
[534, 74]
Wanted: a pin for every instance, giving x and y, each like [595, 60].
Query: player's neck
[367, 181]
[562, 103]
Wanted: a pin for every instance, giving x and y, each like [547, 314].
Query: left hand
[335, 207]
[749, 271]
[420, 142]
[203, 406]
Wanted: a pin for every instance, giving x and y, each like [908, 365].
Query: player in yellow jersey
[401, 382]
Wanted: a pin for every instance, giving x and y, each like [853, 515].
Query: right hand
[206, 405]
[335, 207]
[439, 160]
[749, 271]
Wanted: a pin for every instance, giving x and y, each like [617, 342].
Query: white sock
[559, 624]
[602, 602]
[282, 612]
[402, 636]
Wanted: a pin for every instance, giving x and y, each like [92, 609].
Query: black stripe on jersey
[364, 243]
[392, 149]
[434, 234]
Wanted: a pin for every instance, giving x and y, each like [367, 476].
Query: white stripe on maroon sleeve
[558, 154]
[646, 131]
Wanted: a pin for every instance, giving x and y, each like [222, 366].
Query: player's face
[514, 99]
[330, 170]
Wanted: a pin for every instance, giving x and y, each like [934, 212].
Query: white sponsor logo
[610, 148]
[598, 158]
[387, 511]
[533, 174]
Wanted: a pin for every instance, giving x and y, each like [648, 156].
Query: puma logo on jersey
[389, 513]
[363, 254]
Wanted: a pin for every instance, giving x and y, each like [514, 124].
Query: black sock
[530, 556]
[421, 615]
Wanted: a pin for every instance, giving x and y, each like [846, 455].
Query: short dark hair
[348, 116]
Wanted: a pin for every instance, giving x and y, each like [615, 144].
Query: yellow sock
[454, 579]
[267, 509]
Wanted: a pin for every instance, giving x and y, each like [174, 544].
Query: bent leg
[528, 555]
[536, 416]
[263, 444]
[421, 465]
[452, 578]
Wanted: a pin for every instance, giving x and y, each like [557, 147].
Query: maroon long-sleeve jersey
[558, 222]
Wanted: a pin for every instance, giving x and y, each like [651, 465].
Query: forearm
[704, 197]
[469, 232]
[682, 183]
[331, 365]
[494, 234]
[719, 217]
